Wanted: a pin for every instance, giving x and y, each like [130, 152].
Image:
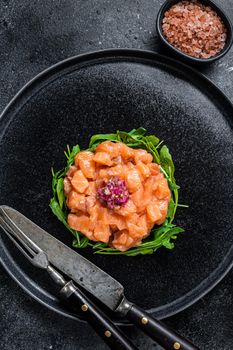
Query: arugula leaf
[71, 155]
[60, 191]
[167, 162]
[171, 208]
[96, 139]
[162, 236]
[80, 242]
[56, 209]
[152, 140]
[137, 133]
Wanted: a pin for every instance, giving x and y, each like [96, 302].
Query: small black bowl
[184, 56]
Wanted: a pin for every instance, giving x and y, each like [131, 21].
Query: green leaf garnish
[160, 236]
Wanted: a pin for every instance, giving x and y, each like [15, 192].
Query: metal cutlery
[70, 293]
[87, 275]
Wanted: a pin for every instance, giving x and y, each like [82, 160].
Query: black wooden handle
[158, 331]
[103, 326]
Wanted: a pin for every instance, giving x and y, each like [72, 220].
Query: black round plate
[123, 89]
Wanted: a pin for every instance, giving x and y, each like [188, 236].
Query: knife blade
[97, 282]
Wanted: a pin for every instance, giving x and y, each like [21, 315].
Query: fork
[102, 325]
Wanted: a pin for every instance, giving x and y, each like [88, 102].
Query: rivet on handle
[176, 346]
[107, 334]
[144, 320]
[84, 307]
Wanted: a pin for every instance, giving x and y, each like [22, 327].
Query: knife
[97, 282]
[70, 293]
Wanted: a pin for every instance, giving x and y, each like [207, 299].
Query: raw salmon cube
[100, 182]
[136, 231]
[155, 185]
[112, 148]
[143, 170]
[104, 174]
[137, 197]
[163, 207]
[154, 168]
[71, 171]
[142, 222]
[100, 221]
[81, 223]
[117, 160]
[67, 186]
[117, 170]
[91, 189]
[103, 214]
[153, 212]
[94, 212]
[147, 196]
[116, 221]
[133, 180]
[90, 203]
[125, 151]
[85, 161]
[141, 155]
[102, 232]
[76, 201]
[102, 158]
[127, 209]
[121, 237]
[162, 190]
[133, 218]
[79, 182]
[122, 241]
[113, 171]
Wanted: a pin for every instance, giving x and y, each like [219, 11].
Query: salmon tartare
[119, 196]
[116, 195]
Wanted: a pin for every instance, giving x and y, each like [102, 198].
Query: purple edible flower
[114, 193]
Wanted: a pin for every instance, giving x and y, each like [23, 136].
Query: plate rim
[224, 266]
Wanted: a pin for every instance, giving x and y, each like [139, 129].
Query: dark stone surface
[34, 35]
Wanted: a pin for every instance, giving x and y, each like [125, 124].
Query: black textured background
[34, 35]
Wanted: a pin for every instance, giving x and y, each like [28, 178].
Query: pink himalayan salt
[195, 29]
